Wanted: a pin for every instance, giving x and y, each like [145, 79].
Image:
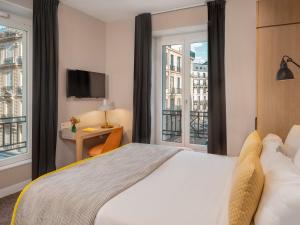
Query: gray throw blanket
[75, 195]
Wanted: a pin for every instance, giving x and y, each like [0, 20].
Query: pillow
[287, 150]
[293, 140]
[297, 159]
[246, 190]
[280, 201]
[270, 145]
[251, 144]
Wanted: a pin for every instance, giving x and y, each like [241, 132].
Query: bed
[179, 192]
[152, 184]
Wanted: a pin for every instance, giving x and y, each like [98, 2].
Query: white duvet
[189, 189]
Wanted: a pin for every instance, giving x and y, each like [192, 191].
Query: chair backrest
[113, 140]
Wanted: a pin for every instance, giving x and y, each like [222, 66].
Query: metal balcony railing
[9, 35]
[12, 133]
[10, 91]
[172, 67]
[172, 130]
[175, 90]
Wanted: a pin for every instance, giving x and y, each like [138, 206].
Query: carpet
[6, 208]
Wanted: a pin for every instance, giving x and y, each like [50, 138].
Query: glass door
[172, 93]
[198, 94]
[182, 100]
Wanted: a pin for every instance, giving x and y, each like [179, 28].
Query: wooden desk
[81, 135]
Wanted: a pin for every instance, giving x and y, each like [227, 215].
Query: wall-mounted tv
[85, 84]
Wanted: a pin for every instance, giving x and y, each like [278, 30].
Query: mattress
[191, 188]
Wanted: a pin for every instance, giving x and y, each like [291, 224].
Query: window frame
[24, 24]
[184, 39]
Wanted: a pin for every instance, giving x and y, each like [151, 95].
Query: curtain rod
[181, 8]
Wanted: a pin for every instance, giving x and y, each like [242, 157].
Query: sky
[201, 52]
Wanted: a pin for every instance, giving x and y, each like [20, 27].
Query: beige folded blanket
[75, 195]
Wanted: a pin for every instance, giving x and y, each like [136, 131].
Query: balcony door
[182, 97]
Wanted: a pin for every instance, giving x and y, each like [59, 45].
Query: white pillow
[280, 201]
[297, 159]
[270, 144]
[292, 141]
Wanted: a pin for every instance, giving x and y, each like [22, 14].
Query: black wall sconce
[284, 72]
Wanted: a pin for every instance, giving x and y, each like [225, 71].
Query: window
[178, 83]
[172, 82]
[185, 121]
[15, 35]
[172, 62]
[178, 63]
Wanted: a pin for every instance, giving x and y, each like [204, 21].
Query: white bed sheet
[189, 189]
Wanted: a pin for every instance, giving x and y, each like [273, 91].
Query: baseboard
[13, 188]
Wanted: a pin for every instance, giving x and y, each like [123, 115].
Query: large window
[14, 96]
[183, 111]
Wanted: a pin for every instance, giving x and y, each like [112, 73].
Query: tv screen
[85, 84]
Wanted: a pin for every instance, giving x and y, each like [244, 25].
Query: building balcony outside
[175, 90]
[172, 68]
[12, 137]
[11, 62]
[172, 126]
[8, 35]
[10, 91]
[198, 85]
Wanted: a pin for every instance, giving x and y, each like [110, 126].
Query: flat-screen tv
[85, 84]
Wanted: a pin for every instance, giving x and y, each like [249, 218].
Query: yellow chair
[112, 142]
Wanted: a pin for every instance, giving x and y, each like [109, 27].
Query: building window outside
[172, 63]
[178, 64]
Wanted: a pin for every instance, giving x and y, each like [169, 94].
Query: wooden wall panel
[278, 101]
[274, 12]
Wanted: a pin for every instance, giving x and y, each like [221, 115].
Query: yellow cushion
[246, 190]
[253, 143]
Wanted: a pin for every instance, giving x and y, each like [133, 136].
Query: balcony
[11, 62]
[10, 91]
[172, 130]
[8, 35]
[12, 136]
[175, 90]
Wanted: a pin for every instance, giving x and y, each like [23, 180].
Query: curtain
[44, 96]
[142, 79]
[217, 138]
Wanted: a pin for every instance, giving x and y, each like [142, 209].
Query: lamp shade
[106, 106]
[284, 72]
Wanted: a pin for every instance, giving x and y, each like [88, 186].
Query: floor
[6, 208]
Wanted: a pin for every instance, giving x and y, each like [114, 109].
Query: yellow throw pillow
[253, 143]
[246, 190]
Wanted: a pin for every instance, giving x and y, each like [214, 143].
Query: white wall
[240, 63]
[240, 70]
[119, 69]
[81, 46]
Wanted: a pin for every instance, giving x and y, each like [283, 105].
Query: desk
[81, 135]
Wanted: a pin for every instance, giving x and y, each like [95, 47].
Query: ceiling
[111, 10]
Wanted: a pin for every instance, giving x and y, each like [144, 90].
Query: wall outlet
[65, 125]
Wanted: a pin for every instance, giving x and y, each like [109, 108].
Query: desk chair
[112, 142]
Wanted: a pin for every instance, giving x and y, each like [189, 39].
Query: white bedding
[189, 189]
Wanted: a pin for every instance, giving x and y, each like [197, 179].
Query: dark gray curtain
[217, 143]
[142, 79]
[45, 64]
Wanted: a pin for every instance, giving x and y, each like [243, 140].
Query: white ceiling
[110, 10]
